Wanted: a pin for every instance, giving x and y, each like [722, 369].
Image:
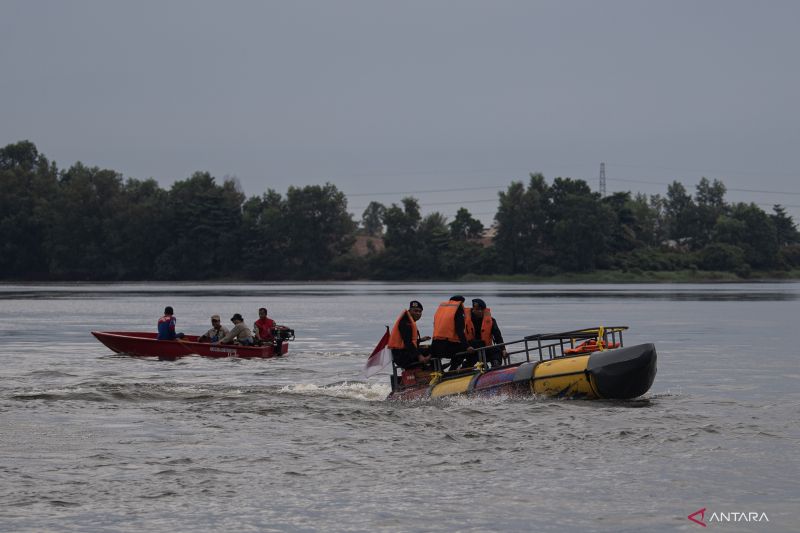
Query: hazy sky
[404, 96]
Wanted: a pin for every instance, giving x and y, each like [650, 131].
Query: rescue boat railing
[547, 346]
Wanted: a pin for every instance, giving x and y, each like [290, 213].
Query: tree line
[87, 223]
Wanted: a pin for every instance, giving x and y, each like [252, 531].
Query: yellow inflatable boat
[588, 363]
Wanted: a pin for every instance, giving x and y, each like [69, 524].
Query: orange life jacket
[590, 346]
[486, 326]
[444, 321]
[396, 340]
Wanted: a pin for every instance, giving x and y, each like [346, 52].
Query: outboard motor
[280, 335]
[283, 333]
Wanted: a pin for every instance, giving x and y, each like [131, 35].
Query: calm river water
[93, 441]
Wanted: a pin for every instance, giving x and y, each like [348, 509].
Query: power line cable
[695, 170]
[461, 202]
[500, 189]
[735, 189]
[426, 191]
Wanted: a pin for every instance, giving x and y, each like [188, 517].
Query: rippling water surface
[94, 441]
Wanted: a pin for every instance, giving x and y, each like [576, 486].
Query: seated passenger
[262, 328]
[216, 332]
[240, 332]
[166, 326]
[481, 330]
[449, 339]
[404, 339]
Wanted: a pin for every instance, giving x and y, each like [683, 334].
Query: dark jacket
[497, 337]
[409, 355]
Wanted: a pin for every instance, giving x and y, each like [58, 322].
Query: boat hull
[147, 345]
[622, 373]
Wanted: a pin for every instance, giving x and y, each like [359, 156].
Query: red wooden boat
[147, 345]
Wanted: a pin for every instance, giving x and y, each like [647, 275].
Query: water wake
[131, 392]
[365, 391]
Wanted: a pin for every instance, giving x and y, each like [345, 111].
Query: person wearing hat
[240, 332]
[216, 332]
[404, 340]
[449, 338]
[482, 330]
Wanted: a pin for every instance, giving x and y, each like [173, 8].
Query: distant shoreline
[595, 277]
[661, 276]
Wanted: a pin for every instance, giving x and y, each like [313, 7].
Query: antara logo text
[699, 517]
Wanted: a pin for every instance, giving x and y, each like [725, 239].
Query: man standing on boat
[449, 338]
[404, 339]
[166, 326]
[482, 330]
[216, 332]
[239, 332]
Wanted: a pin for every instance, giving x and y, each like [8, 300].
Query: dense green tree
[679, 211]
[372, 219]
[522, 225]
[649, 217]
[204, 222]
[22, 155]
[730, 230]
[433, 238]
[467, 257]
[137, 228]
[88, 223]
[580, 224]
[721, 256]
[402, 256]
[625, 229]
[752, 230]
[511, 237]
[29, 188]
[320, 230]
[81, 244]
[464, 227]
[709, 206]
[790, 256]
[402, 224]
[264, 221]
[785, 228]
[710, 194]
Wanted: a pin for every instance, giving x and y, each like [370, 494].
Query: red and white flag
[381, 356]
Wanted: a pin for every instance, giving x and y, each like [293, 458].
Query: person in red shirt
[263, 326]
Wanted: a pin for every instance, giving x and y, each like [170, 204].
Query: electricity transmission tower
[602, 180]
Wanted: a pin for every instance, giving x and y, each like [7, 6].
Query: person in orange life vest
[448, 332]
[166, 326]
[263, 326]
[404, 339]
[482, 330]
